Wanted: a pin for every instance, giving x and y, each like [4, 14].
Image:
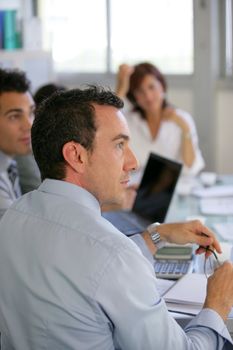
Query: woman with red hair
[155, 125]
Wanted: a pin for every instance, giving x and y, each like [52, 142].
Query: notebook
[153, 197]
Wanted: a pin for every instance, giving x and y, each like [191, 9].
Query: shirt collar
[71, 191]
[5, 161]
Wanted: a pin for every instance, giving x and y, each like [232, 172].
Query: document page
[189, 290]
[217, 206]
[164, 285]
[213, 191]
[225, 230]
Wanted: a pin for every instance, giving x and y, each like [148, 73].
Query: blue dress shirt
[8, 192]
[70, 280]
[29, 174]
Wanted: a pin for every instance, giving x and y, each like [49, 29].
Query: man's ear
[75, 155]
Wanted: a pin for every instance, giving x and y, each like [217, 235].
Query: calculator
[172, 261]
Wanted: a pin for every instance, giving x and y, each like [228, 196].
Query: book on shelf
[9, 30]
[10, 33]
[1, 28]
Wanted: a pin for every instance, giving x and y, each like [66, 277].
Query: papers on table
[213, 191]
[217, 206]
[189, 290]
[164, 285]
[225, 230]
[184, 309]
[187, 295]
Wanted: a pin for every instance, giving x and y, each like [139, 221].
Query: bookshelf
[37, 63]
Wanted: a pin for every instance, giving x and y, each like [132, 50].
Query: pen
[183, 313]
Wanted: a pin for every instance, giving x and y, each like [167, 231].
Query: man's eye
[13, 116]
[120, 145]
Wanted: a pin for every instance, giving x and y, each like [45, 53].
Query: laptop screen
[156, 188]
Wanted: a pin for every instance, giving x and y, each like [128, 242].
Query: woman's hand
[187, 148]
[123, 77]
[169, 113]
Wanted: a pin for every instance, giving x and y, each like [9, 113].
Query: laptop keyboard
[127, 222]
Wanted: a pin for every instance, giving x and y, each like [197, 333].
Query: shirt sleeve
[138, 239]
[128, 295]
[211, 319]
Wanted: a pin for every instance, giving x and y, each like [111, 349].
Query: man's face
[16, 117]
[110, 163]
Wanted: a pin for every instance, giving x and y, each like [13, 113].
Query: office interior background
[76, 42]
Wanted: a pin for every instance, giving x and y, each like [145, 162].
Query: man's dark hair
[66, 116]
[46, 91]
[13, 80]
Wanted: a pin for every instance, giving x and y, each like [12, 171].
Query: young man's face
[109, 165]
[16, 117]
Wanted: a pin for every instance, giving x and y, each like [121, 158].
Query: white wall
[224, 154]
[183, 98]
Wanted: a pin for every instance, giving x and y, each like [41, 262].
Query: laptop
[153, 197]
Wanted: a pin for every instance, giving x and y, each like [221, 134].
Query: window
[98, 35]
[75, 31]
[228, 38]
[160, 31]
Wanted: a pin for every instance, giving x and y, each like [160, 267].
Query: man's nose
[132, 162]
[27, 122]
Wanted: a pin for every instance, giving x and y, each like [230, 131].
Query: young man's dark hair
[66, 116]
[13, 81]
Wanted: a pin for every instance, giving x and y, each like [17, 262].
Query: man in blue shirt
[16, 117]
[69, 279]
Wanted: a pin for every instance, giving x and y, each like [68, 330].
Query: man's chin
[112, 205]
[24, 151]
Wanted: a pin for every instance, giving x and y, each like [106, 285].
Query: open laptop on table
[153, 198]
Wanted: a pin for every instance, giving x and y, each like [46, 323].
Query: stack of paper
[187, 295]
[217, 206]
[214, 191]
[225, 230]
[164, 285]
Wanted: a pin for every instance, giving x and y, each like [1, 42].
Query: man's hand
[220, 290]
[190, 232]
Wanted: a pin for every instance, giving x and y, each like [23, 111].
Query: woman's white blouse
[167, 142]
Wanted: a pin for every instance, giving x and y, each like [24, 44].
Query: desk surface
[185, 206]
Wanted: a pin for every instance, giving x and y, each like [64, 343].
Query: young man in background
[16, 117]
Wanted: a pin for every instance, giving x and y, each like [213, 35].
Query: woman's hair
[140, 71]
